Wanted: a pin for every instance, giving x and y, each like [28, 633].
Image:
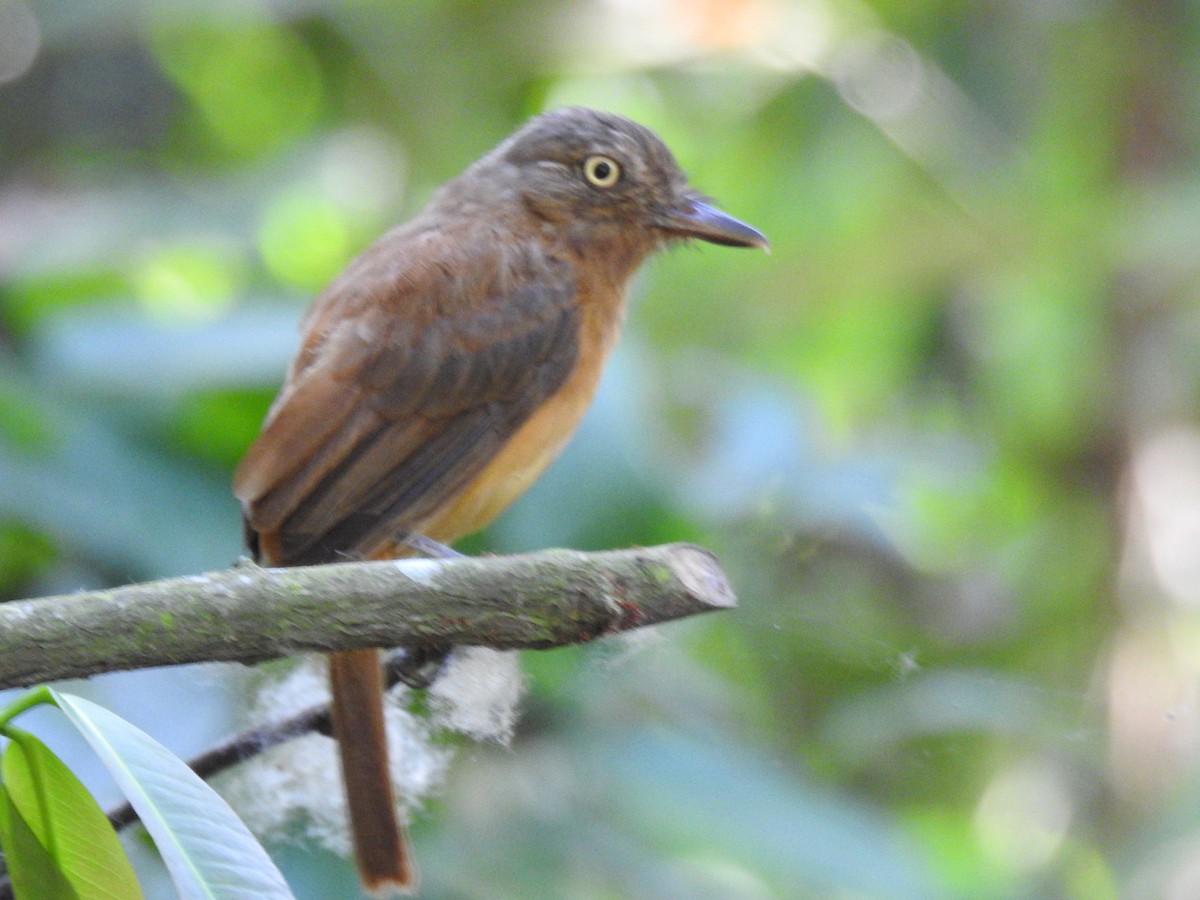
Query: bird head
[604, 181]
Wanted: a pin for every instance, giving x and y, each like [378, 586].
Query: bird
[444, 369]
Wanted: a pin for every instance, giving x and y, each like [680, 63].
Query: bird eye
[602, 171]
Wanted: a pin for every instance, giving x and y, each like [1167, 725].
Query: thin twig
[400, 666]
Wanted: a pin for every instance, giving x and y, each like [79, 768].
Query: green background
[944, 438]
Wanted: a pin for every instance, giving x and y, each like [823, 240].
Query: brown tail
[379, 842]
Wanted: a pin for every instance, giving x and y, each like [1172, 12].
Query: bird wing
[414, 371]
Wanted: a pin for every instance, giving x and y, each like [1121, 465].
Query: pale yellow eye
[602, 171]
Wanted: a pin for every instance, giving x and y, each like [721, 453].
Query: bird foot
[427, 546]
[417, 667]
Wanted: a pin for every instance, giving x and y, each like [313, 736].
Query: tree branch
[248, 614]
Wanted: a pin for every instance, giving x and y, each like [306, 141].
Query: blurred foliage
[946, 438]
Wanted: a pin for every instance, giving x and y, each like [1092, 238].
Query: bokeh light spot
[254, 88]
[1023, 816]
[20, 39]
[304, 240]
[192, 283]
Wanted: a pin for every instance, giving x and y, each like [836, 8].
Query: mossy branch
[248, 614]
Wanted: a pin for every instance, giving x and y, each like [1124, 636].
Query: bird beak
[697, 219]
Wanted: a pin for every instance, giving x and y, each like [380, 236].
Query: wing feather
[386, 416]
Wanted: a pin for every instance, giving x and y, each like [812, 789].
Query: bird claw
[418, 667]
[427, 546]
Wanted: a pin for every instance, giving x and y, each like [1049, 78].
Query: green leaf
[206, 848]
[31, 869]
[67, 822]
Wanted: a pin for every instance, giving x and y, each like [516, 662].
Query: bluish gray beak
[700, 220]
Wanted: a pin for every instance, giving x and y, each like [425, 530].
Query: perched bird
[445, 368]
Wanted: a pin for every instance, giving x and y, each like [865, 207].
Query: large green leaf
[207, 849]
[31, 869]
[67, 822]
